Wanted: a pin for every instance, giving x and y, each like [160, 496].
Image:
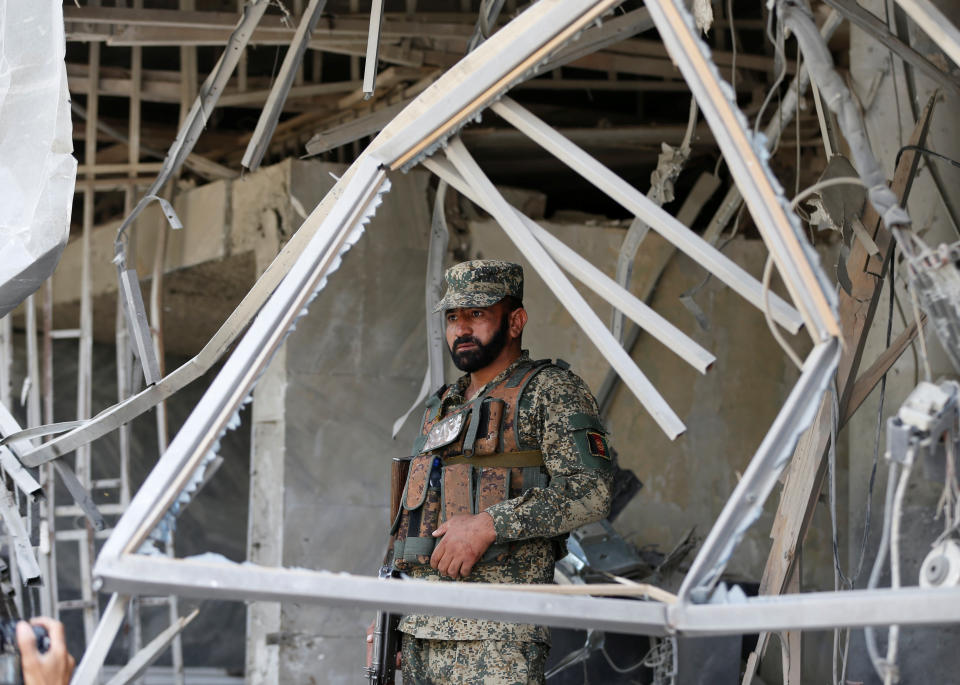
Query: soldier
[510, 459]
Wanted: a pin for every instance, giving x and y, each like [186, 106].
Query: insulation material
[835, 93]
[703, 14]
[37, 168]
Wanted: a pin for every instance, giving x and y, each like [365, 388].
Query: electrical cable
[778, 49]
[927, 151]
[890, 673]
[923, 340]
[868, 513]
[869, 634]
[826, 183]
[913, 344]
[629, 669]
[767, 270]
[733, 48]
[796, 132]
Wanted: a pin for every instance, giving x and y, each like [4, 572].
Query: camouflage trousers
[472, 662]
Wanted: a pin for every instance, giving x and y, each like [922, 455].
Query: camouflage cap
[481, 283]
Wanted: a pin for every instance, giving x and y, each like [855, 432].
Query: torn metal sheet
[670, 163]
[37, 167]
[196, 118]
[548, 270]
[270, 114]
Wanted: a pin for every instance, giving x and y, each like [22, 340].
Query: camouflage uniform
[550, 414]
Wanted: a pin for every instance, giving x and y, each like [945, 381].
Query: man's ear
[518, 319]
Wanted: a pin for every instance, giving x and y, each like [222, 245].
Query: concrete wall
[354, 364]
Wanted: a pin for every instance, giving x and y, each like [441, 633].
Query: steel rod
[641, 206]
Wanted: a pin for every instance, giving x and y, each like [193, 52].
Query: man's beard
[482, 355]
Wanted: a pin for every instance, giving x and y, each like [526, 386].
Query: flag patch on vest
[597, 444]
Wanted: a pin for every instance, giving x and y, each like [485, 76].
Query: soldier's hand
[464, 540]
[51, 668]
[372, 627]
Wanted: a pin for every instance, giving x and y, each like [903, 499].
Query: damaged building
[225, 226]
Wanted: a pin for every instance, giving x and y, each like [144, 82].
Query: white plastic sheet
[37, 168]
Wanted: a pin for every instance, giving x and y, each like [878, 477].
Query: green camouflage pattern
[535, 523]
[473, 662]
[481, 283]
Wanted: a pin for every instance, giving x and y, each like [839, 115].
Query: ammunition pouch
[466, 486]
[466, 461]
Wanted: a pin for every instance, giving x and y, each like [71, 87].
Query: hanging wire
[923, 340]
[767, 271]
[796, 130]
[628, 669]
[890, 674]
[733, 48]
[826, 183]
[926, 151]
[775, 88]
[869, 634]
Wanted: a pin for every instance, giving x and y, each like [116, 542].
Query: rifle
[386, 638]
[386, 641]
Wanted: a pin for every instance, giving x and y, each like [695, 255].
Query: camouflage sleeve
[558, 412]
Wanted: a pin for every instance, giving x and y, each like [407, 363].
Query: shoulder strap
[541, 365]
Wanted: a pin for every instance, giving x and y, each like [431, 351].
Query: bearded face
[470, 354]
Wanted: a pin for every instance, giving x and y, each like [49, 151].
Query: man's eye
[477, 313]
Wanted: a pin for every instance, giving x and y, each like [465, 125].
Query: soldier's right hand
[372, 627]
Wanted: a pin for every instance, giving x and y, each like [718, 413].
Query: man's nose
[462, 326]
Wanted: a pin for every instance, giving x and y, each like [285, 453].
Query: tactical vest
[465, 462]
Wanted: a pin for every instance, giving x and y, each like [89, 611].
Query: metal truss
[429, 123]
